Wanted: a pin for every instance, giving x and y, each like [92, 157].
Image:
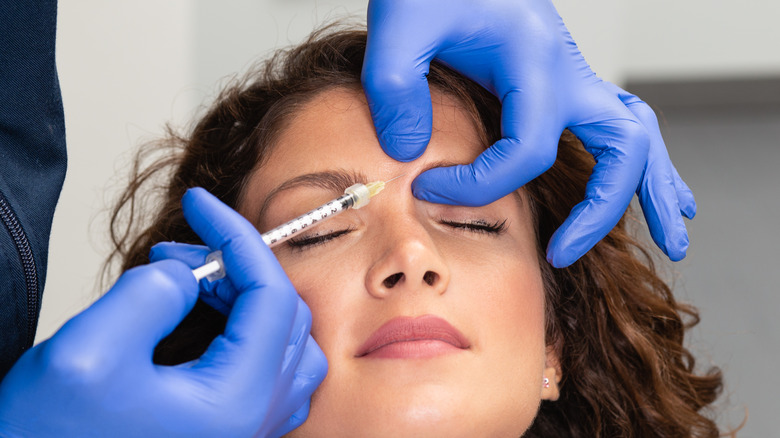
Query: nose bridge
[406, 258]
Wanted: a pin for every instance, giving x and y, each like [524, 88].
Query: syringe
[355, 196]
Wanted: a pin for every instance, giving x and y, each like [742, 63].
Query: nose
[407, 264]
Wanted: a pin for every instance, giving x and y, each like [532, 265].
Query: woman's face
[431, 316]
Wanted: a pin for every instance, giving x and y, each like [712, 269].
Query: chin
[418, 414]
[421, 426]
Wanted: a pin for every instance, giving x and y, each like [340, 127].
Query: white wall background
[127, 68]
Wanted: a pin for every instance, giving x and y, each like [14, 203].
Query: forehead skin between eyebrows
[315, 171]
[336, 181]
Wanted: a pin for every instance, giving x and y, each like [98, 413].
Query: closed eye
[312, 240]
[478, 226]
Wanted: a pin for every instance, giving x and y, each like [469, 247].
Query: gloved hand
[522, 52]
[218, 294]
[95, 376]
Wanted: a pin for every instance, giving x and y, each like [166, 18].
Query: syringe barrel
[319, 214]
[355, 196]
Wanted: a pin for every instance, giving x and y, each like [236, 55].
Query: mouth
[413, 338]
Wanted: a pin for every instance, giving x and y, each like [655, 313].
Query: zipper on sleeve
[24, 250]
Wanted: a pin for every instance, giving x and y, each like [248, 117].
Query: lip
[413, 338]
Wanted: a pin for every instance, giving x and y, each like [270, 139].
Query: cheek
[331, 288]
[507, 305]
[517, 311]
[503, 289]
[517, 325]
[511, 296]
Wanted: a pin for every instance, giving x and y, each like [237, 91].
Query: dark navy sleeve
[32, 165]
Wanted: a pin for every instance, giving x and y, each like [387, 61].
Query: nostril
[430, 277]
[393, 280]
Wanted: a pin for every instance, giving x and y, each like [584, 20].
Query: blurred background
[710, 69]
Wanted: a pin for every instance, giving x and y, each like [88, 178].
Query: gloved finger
[684, 195]
[191, 255]
[143, 306]
[219, 294]
[529, 148]
[394, 76]
[297, 345]
[647, 117]
[619, 144]
[295, 420]
[657, 192]
[309, 374]
[658, 199]
[290, 395]
[260, 324]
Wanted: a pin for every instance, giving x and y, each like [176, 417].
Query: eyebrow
[336, 181]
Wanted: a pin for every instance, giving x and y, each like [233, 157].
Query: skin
[487, 285]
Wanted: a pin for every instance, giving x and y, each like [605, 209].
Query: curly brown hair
[615, 323]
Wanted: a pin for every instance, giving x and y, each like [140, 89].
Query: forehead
[335, 131]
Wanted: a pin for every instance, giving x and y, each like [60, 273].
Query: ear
[552, 374]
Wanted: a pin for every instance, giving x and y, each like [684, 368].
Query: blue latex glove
[218, 294]
[95, 376]
[522, 52]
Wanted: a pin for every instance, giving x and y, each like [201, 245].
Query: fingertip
[155, 253]
[193, 193]
[296, 419]
[588, 223]
[688, 210]
[561, 253]
[311, 370]
[316, 364]
[676, 248]
[662, 211]
[560, 258]
[455, 185]
[192, 201]
[404, 146]
[301, 415]
[403, 131]
[687, 203]
[685, 198]
[678, 254]
[668, 231]
[159, 251]
[425, 185]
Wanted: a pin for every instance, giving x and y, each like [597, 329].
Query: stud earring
[546, 382]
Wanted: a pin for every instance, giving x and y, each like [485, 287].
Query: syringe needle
[377, 186]
[394, 178]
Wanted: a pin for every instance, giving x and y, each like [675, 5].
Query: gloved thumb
[394, 78]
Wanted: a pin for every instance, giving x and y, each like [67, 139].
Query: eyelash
[476, 226]
[311, 241]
